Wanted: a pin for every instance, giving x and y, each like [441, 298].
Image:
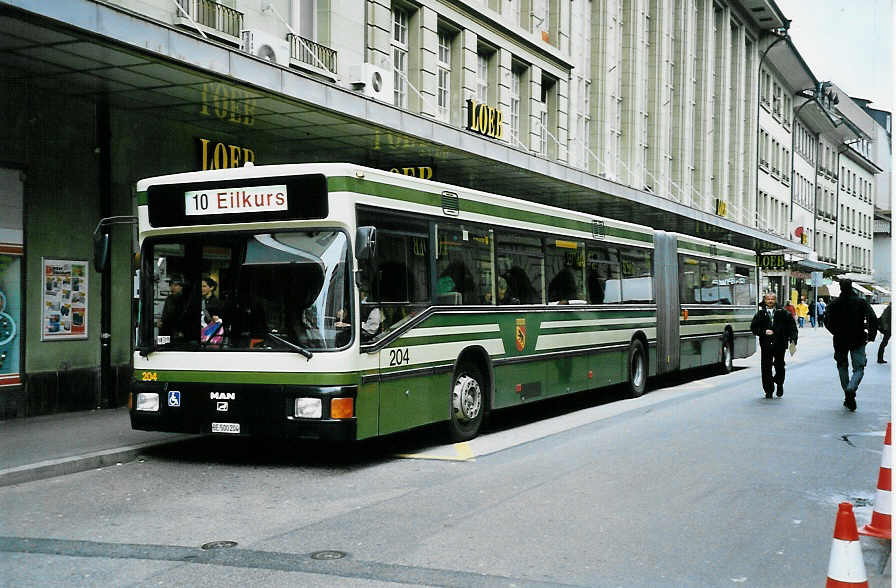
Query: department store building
[642, 110]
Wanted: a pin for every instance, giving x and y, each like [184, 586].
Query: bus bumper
[236, 409]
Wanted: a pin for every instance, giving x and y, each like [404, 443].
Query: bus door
[668, 339]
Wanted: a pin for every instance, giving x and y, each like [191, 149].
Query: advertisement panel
[65, 295]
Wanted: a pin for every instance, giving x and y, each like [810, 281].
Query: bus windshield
[281, 291]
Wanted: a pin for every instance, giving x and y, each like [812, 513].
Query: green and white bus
[335, 301]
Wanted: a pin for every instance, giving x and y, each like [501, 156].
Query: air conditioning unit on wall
[374, 81]
[266, 46]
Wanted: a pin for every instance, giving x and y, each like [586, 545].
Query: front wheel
[467, 403]
[637, 369]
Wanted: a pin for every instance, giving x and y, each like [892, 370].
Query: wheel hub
[638, 371]
[466, 398]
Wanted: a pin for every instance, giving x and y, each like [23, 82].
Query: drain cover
[330, 554]
[862, 501]
[218, 544]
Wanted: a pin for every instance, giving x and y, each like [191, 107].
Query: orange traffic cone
[846, 567]
[881, 519]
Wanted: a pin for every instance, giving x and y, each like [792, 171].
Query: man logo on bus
[520, 334]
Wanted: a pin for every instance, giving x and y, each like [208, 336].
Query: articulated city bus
[335, 301]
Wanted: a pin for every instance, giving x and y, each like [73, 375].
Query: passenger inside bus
[562, 288]
[371, 316]
[519, 287]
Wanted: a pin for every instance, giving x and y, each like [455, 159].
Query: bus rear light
[590, 374]
[148, 401]
[308, 408]
[342, 408]
[519, 388]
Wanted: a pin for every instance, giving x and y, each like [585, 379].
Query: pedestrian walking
[813, 308]
[885, 327]
[775, 328]
[852, 322]
[789, 307]
[820, 306]
[802, 312]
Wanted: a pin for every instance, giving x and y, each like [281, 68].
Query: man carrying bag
[775, 328]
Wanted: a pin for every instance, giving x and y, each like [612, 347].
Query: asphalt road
[701, 482]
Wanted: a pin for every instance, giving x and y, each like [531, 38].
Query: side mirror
[365, 243]
[100, 251]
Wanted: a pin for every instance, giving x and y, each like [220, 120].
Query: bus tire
[637, 368]
[727, 365]
[468, 399]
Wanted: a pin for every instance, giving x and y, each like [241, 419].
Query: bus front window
[262, 291]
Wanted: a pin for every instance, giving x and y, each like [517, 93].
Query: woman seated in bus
[209, 299]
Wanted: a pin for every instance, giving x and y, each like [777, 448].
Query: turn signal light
[342, 408]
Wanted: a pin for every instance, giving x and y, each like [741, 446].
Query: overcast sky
[848, 42]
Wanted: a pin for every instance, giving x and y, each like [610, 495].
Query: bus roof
[359, 172]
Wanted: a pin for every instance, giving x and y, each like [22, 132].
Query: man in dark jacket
[885, 327]
[853, 323]
[775, 328]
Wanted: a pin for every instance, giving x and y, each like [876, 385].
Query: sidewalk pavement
[54, 445]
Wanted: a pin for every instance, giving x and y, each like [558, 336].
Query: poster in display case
[65, 295]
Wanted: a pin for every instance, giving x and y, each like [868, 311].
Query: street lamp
[782, 34]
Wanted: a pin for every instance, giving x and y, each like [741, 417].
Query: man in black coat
[775, 328]
[852, 322]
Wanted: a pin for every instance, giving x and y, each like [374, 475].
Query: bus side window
[688, 279]
[464, 267]
[709, 282]
[744, 286]
[637, 271]
[399, 280]
[520, 261]
[564, 265]
[604, 286]
[726, 282]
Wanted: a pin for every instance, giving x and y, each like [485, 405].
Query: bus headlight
[148, 401]
[308, 408]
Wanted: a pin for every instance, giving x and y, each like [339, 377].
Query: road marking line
[462, 452]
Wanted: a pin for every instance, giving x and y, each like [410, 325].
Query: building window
[515, 82]
[400, 56]
[586, 130]
[515, 11]
[444, 66]
[482, 78]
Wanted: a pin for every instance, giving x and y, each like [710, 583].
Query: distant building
[881, 154]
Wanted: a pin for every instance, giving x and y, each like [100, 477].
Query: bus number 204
[398, 357]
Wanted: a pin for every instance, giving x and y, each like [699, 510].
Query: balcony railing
[313, 54]
[214, 16]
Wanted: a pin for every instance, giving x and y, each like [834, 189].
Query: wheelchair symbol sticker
[173, 398]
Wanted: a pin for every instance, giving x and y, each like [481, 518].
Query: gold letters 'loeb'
[221, 156]
[485, 120]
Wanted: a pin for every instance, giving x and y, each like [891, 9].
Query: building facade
[645, 110]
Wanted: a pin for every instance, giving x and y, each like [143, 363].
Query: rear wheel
[727, 355]
[468, 399]
[637, 368]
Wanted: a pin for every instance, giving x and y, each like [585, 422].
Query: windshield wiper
[301, 350]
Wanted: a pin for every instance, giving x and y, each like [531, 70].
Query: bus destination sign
[236, 200]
